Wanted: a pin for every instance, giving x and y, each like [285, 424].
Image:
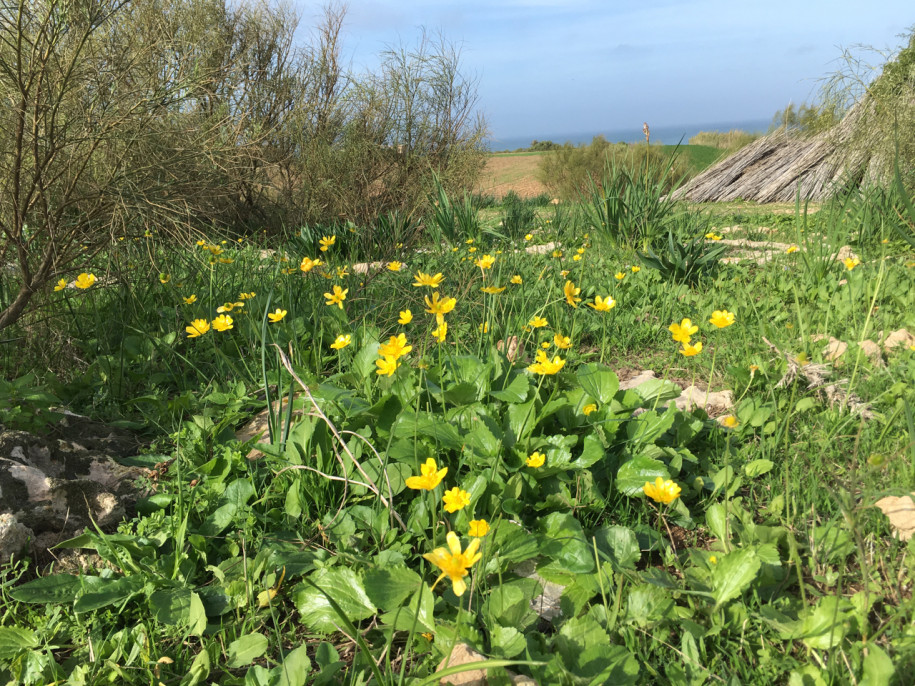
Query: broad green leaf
[388, 587]
[108, 592]
[592, 452]
[506, 641]
[179, 607]
[462, 393]
[619, 544]
[344, 587]
[632, 476]
[424, 425]
[364, 361]
[598, 381]
[758, 468]
[824, 626]
[716, 519]
[564, 542]
[521, 418]
[233, 500]
[657, 389]
[410, 618]
[14, 639]
[650, 426]
[515, 392]
[648, 604]
[878, 667]
[509, 604]
[295, 668]
[199, 671]
[57, 588]
[733, 574]
[513, 543]
[245, 649]
[482, 440]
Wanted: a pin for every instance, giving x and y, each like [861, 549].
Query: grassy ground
[431, 475]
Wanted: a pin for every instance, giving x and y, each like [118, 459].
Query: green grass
[309, 565]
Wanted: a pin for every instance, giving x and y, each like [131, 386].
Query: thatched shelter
[859, 149]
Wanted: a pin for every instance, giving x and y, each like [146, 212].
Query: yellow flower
[580, 251]
[712, 236]
[222, 323]
[636, 269]
[454, 563]
[849, 262]
[215, 250]
[537, 322]
[546, 345]
[440, 332]
[688, 349]
[492, 290]
[469, 241]
[562, 342]
[730, 421]
[326, 242]
[341, 341]
[431, 476]
[472, 249]
[456, 499]
[394, 266]
[62, 284]
[84, 281]
[713, 559]
[662, 491]
[571, 294]
[190, 300]
[791, 249]
[722, 318]
[337, 297]
[201, 243]
[603, 304]
[276, 316]
[544, 366]
[246, 296]
[386, 366]
[516, 279]
[557, 253]
[478, 528]
[287, 271]
[228, 307]
[681, 332]
[484, 327]
[342, 272]
[396, 347]
[405, 317]
[423, 279]
[528, 236]
[564, 273]
[164, 278]
[619, 276]
[439, 307]
[536, 460]
[198, 327]
[589, 408]
[308, 264]
[485, 262]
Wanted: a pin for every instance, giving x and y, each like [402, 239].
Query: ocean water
[668, 135]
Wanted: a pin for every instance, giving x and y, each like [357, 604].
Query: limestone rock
[872, 350]
[898, 339]
[14, 537]
[834, 349]
[901, 513]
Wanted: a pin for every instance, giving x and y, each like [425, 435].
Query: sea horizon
[666, 135]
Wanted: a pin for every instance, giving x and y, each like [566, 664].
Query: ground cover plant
[453, 457]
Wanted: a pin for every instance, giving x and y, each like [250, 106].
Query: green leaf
[515, 392]
[825, 626]
[344, 587]
[509, 604]
[758, 468]
[632, 476]
[295, 668]
[179, 607]
[245, 649]
[506, 641]
[733, 574]
[619, 544]
[598, 381]
[232, 501]
[108, 592]
[422, 424]
[14, 639]
[648, 604]
[592, 452]
[716, 520]
[199, 671]
[388, 587]
[482, 439]
[57, 588]
[410, 618]
[650, 426]
[564, 542]
[364, 361]
[878, 667]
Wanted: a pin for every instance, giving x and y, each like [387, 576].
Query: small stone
[14, 538]
[899, 338]
[872, 350]
[834, 349]
[901, 513]
[462, 654]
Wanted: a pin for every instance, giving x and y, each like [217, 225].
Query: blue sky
[547, 66]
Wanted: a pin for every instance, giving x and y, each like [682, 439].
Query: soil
[504, 173]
